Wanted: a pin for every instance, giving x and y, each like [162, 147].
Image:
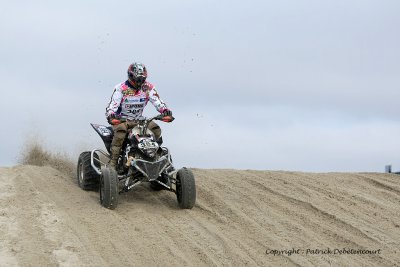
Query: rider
[127, 102]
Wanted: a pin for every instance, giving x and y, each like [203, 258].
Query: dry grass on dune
[35, 154]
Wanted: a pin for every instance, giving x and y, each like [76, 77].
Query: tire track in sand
[238, 215]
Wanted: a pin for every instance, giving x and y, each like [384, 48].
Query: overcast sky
[304, 85]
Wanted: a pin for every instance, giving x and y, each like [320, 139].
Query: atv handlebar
[159, 117]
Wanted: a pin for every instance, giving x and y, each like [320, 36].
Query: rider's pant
[120, 131]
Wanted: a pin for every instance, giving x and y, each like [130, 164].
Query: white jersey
[129, 103]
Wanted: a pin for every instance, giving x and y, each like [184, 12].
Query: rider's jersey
[129, 102]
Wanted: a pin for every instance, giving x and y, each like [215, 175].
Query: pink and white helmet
[137, 73]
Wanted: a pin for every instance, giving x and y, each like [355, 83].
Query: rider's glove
[113, 119]
[167, 112]
[167, 116]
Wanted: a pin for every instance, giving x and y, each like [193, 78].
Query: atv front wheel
[185, 188]
[109, 188]
[87, 177]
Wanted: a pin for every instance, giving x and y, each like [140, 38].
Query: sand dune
[242, 218]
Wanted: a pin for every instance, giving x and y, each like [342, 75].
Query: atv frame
[97, 165]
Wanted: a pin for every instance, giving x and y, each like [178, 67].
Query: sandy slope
[46, 219]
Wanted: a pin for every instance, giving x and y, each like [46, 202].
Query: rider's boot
[115, 150]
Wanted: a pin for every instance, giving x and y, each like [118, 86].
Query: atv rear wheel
[88, 178]
[109, 188]
[185, 188]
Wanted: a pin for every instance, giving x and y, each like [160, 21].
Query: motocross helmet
[137, 73]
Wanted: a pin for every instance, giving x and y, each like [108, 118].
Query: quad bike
[142, 159]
